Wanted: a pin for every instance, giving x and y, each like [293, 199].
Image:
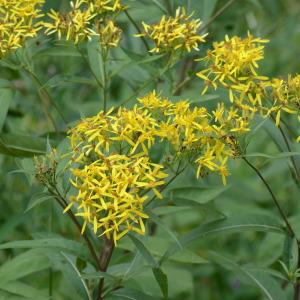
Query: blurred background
[66, 77]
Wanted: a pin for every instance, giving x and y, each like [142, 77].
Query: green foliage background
[235, 259]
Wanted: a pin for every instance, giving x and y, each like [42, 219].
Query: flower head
[285, 96]
[18, 22]
[110, 193]
[175, 33]
[232, 63]
[74, 25]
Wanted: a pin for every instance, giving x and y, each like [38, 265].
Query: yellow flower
[18, 22]
[110, 193]
[152, 101]
[174, 33]
[285, 96]
[74, 25]
[232, 63]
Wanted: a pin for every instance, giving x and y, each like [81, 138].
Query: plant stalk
[285, 219]
[275, 200]
[62, 202]
[104, 259]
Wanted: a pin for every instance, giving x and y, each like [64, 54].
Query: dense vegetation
[149, 149]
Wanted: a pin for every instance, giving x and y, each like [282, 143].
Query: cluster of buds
[45, 168]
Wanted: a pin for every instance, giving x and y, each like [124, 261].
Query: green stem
[285, 219]
[295, 174]
[44, 95]
[177, 90]
[51, 270]
[104, 54]
[178, 172]
[275, 200]
[217, 14]
[63, 203]
[169, 7]
[138, 30]
[99, 83]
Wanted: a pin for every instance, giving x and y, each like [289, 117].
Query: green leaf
[157, 247]
[37, 200]
[203, 8]
[159, 275]
[54, 243]
[275, 135]
[144, 251]
[136, 59]
[22, 265]
[60, 263]
[232, 224]
[162, 280]
[168, 210]
[256, 277]
[10, 224]
[95, 59]
[131, 294]
[160, 6]
[62, 50]
[279, 156]
[208, 8]
[196, 194]
[82, 282]
[24, 290]
[63, 79]
[160, 223]
[203, 98]
[22, 145]
[6, 97]
[98, 275]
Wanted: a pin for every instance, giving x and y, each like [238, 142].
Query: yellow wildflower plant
[19, 21]
[174, 33]
[75, 25]
[233, 63]
[111, 166]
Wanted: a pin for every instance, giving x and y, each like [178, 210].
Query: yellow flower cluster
[111, 164]
[209, 138]
[285, 96]
[174, 33]
[110, 193]
[18, 23]
[84, 21]
[74, 25]
[232, 63]
[114, 172]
